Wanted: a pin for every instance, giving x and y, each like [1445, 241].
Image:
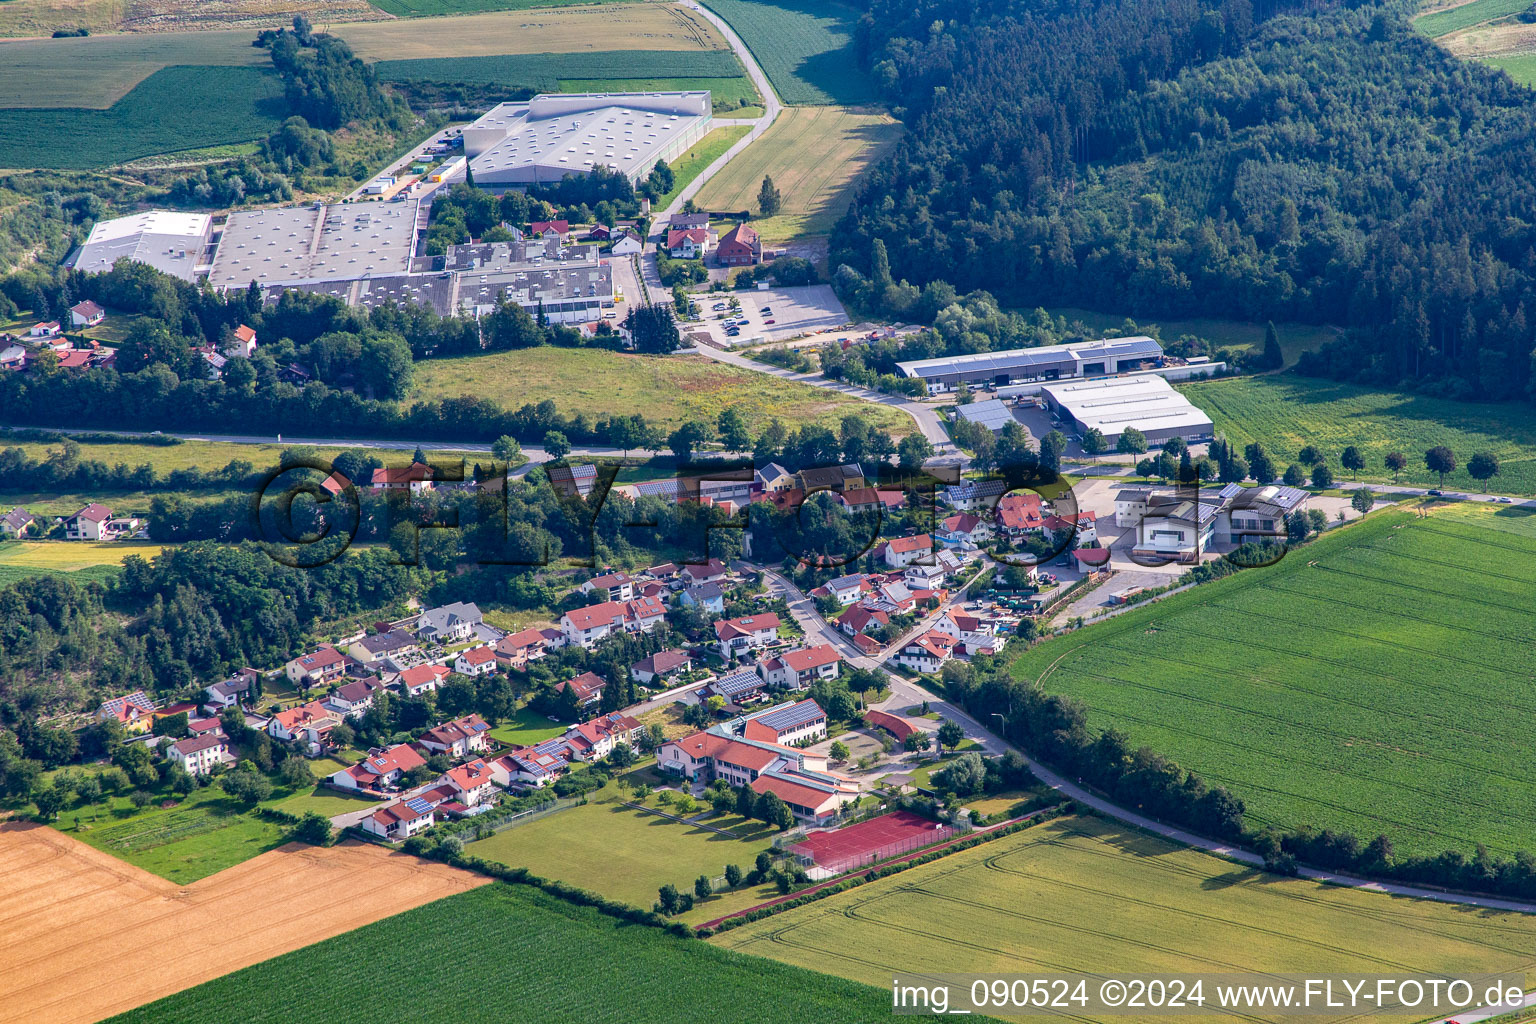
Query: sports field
[804, 46]
[815, 156]
[1285, 412]
[669, 390]
[507, 952]
[1376, 681]
[1079, 894]
[69, 908]
[88, 559]
[627, 854]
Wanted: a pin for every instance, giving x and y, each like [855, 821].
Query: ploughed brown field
[84, 936]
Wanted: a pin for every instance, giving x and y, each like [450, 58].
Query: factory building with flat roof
[556, 134]
[1145, 401]
[172, 243]
[1049, 362]
[298, 244]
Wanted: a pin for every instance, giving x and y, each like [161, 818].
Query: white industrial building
[299, 244]
[1048, 362]
[172, 243]
[1143, 400]
[553, 135]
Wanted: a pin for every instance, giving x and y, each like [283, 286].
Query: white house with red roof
[90, 523]
[401, 820]
[352, 699]
[616, 586]
[415, 478]
[200, 755]
[1019, 515]
[86, 314]
[687, 243]
[316, 668]
[788, 724]
[749, 632]
[381, 770]
[584, 627]
[799, 669]
[1085, 523]
[593, 740]
[712, 571]
[927, 653]
[135, 710]
[528, 766]
[654, 667]
[422, 679]
[560, 229]
[243, 343]
[859, 618]
[472, 782]
[963, 530]
[46, 329]
[901, 552]
[477, 661]
[846, 589]
[309, 725]
[458, 738]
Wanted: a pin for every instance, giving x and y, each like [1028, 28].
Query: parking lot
[794, 311]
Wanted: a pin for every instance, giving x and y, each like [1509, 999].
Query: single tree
[913, 451]
[313, 828]
[768, 199]
[1146, 468]
[506, 448]
[838, 751]
[1322, 476]
[1295, 476]
[1094, 443]
[1396, 462]
[556, 445]
[666, 899]
[1273, 357]
[1131, 442]
[950, 735]
[1310, 455]
[701, 887]
[1362, 500]
[1351, 459]
[1483, 466]
[732, 875]
[1440, 459]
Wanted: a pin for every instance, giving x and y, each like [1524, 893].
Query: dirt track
[84, 936]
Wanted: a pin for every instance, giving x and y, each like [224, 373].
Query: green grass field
[527, 728]
[1240, 334]
[97, 71]
[627, 854]
[1520, 67]
[1285, 412]
[1376, 681]
[174, 108]
[541, 70]
[560, 963]
[804, 47]
[431, 8]
[815, 156]
[80, 560]
[1450, 19]
[1078, 894]
[709, 149]
[669, 390]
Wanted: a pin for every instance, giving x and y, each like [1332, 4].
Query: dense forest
[1279, 160]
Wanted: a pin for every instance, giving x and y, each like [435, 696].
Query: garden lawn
[1079, 894]
[1377, 681]
[623, 853]
[668, 389]
[527, 728]
[1284, 412]
[322, 800]
[805, 47]
[572, 963]
[815, 156]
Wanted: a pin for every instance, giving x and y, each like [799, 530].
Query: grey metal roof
[993, 414]
[1025, 358]
[791, 716]
[736, 683]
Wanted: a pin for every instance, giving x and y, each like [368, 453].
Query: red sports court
[889, 835]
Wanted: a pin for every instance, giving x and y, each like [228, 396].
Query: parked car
[770, 321]
[1433, 493]
[765, 309]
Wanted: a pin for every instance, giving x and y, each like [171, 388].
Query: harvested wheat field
[68, 908]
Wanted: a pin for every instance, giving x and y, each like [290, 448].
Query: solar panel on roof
[419, 805]
[791, 717]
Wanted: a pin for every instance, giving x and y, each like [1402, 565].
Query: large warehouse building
[170, 242]
[553, 135]
[1049, 362]
[1144, 400]
[297, 244]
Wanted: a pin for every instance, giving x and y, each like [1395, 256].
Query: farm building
[300, 244]
[1144, 401]
[172, 243]
[1049, 362]
[553, 135]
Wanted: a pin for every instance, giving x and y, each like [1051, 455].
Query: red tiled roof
[414, 473]
[470, 776]
[527, 638]
[94, 513]
[812, 657]
[477, 656]
[245, 334]
[596, 615]
[413, 677]
[902, 545]
[586, 685]
[961, 522]
[675, 236]
[746, 625]
[792, 792]
[538, 227]
[450, 733]
[896, 726]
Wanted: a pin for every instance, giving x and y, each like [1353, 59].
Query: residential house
[449, 624]
[528, 766]
[594, 740]
[1131, 506]
[750, 632]
[859, 619]
[352, 699]
[16, 523]
[707, 596]
[687, 244]
[12, 357]
[200, 755]
[86, 314]
[847, 589]
[588, 688]
[599, 233]
[963, 530]
[866, 644]
[901, 552]
[383, 769]
[788, 724]
[423, 679]
[616, 586]
[400, 821]
[772, 478]
[308, 725]
[627, 243]
[477, 661]
[1019, 515]
[799, 669]
[740, 247]
[516, 650]
[974, 494]
[712, 571]
[46, 329]
[372, 649]
[415, 478]
[96, 522]
[688, 221]
[832, 478]
[926, 653]
[472, 782]
[231, 691]
[242, 343]
[316, 668]
[974, 634]
[584, 627]
[655, 667]
[923, 577]
[135, 710]
[1083, 526]
[560, 229]
[572, 481]
[860, 499]
[458, 738]
[734, 687]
